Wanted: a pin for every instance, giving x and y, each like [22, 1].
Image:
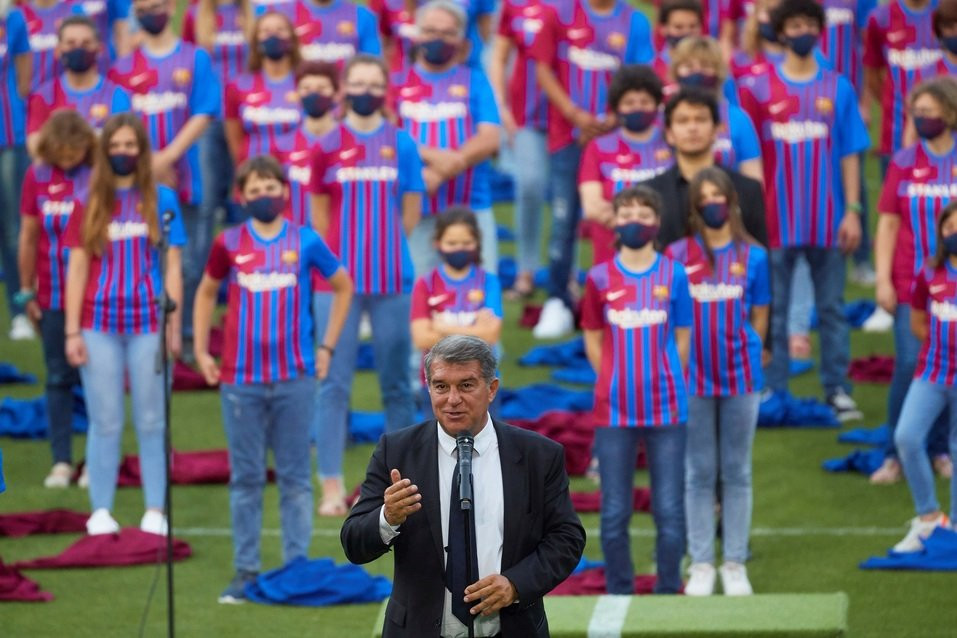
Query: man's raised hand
[402, 499]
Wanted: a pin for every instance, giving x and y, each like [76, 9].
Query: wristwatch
[24, 296]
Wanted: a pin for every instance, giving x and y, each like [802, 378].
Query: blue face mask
[437, 52]
[316, 105]
[265, 209]
[707, 81]
[638, 121]
[365, 104]
[803, 44]
[949, 42]
[635, 234]
[950, 244]
[929, 127]
[123, 164]
[153, 22]
[767, 32]
[715, 214]
[459, 259]
[274, 47]
[673, 40]
[78, 60]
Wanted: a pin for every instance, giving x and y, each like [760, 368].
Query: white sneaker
[84, 480]
[919, 530]
[102, 522]
[59, 476]
[154, 522]
[734, 580]
[556, 321]
[863, 275]
[845, 408]
[701, 578]
[21, 329]
[365, 327]
[879, 321]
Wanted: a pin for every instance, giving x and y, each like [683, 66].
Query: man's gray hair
[449, 7]
[460, 349]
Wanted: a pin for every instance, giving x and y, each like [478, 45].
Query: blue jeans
[392, 348]
[906, 351]
[111, 357]
[198, 221]
[13, 167]
[863, 253]
[531, 181]
[566, 213]
[61, 377]
[827, 274]
[218, 172]
[802, 299]
[924, 403]
[617, 451]
[258, 417]
[720, 436]
[425, 256]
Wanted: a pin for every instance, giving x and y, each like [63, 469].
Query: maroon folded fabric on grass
[530, 316]
[873, 369]
[14, 586]
[57, 521]
[186, 379]
[199, 467]
[130, 546]
[586, 502]
[591, 582]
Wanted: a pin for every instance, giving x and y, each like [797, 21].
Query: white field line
[608, 617]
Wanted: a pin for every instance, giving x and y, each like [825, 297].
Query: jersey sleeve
[887, 204]
[864, 8]
[205, 96]
[505, 22]
[218, 263]
[730, 91]
[593, 306]
[744, 138]
[116, 10]
[682, 313]
[317, 183]
[759, 284]
[18, 38]
[588, 169]
[852, 133]
[121, 102]
[368, 32]
[639, 49]
[167, 202]
[874, 42]
[189, 26]
[381, 12]
[38, 112]
[317, 253]
[410, 165]
[493, 295]
[484, 8]
[231, 102]
[420, 300]
[482, 101]
[73, 234]
[28, 195]
[545, 45]
[920, 294]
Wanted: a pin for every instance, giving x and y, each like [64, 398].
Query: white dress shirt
[489, 512]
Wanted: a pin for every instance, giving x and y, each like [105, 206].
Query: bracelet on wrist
[328, 349]
[70, 335]
[24, 296]
[855, 207]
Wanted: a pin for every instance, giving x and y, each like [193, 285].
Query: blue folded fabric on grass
[939, 555]
[567, 354]
[27, 418]
[507, 271]
[532, 401]
[856, 312]
[504, 233]
[365, 358]
[782, 409]
[862, 461]
[9, 373]
[586, 564]
[797, 367]
[503, 186]
[318, 583]
[366, 427]
[880, 435]
[581, 375]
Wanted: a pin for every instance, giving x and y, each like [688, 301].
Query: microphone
[465, 443]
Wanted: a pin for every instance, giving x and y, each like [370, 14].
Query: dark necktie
[456, 578]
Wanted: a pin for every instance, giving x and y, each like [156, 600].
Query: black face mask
[365, 104]
[437, 52]
[950, 43]
[316, 105]
[123, 164]
[459, 259]
[274, 47]
[715, 215]
[950, 243]
[265, 209]
[929, 127]
[638, 121]
[707, 81]
[802, 45]
[673, 40]
[635, 234]
[78, 60]
[153, 22]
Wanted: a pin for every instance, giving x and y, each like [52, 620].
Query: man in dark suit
[692, 119]
[528, 537]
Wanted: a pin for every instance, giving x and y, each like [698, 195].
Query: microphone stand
[166, 308]
[466, 500]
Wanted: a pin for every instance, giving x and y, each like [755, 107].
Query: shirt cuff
[386, 532]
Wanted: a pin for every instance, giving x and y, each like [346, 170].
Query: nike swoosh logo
[437, 299]
[921, 172]
[257, 96]
[348, 153]
[298, 155]
[935, 289]
[56, 188]
[242, 259]
[615, 295]
[139, 78]
[693, 268]
[574, 34]
[777, 107]
[896, 36]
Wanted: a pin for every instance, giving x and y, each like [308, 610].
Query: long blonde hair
[99, 209]
[206, 27]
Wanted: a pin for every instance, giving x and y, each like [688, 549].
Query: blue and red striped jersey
[296, 159]
[901, 40]
[51, 195]
[105, 14]
[14, 42]
[95, 105]
[736, 140]
[125, 281]
[585, 49]
[268, 110]
[917, 186]
[841, 40]
[335, 32]
[805, 129]
[166, 92]
[520, 23]
[935, 292]
[444, 110]
[366, 176]
[42, 25]
[641, 382]
[397, 24]
[230, 54]
[269, 326]
[725, 349]
[456, 302]
[618, 161]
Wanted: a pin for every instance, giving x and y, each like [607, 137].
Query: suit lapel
[428, 482]
[515, 492]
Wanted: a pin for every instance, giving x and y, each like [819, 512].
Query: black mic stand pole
[468, 512]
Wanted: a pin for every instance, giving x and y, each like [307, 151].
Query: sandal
[889, 472]
[333, 502]
[523, 288]
[943, 466]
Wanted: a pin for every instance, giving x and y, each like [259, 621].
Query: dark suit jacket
[673, 188]
[542, 542]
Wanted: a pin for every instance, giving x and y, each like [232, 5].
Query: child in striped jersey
[54, 187]
[637, 317]
[728, 278]
[270, 359]
[459, 297]
[934, 388]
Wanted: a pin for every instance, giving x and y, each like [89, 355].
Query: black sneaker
[235, 593]
[844, 406]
